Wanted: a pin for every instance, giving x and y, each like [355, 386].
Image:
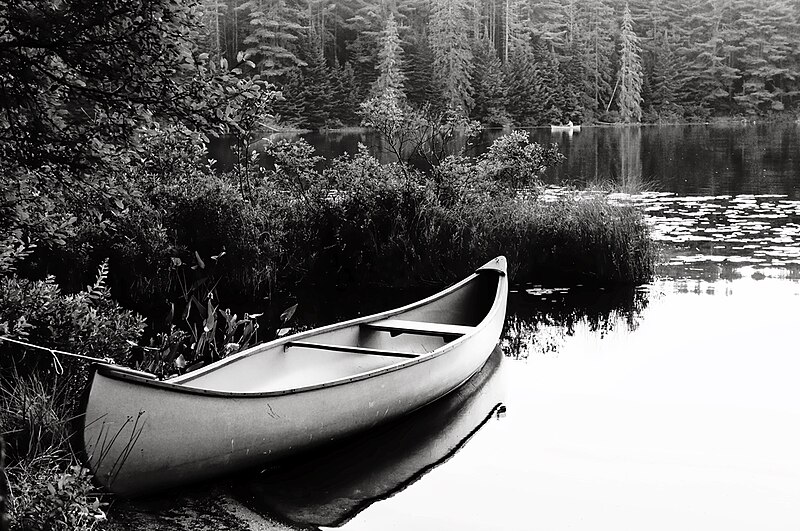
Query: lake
[673, 405]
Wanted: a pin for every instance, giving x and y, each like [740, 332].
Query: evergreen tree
[274, 29]
[571, 76]
[345, 99]
[362, 54]
[420, 87]
[766, 28]
[707, 78]
[630, 72]
[661, 76]
[289, 109]
[548, 23]
[551, 101]
[594, 37]
[213, 38]
[452, 56]
[390, 62]
[489, 85]
[727, 56]
[521, 82]
[316, 94]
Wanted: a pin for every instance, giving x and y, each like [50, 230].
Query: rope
[53, 352]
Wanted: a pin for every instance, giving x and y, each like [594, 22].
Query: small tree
[409, 132]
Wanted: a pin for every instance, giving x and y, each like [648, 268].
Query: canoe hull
[140, 434]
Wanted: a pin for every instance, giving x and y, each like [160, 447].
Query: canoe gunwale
[177, 384]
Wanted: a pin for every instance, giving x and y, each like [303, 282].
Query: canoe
[138, 434]
[569, 128]
[332, 485]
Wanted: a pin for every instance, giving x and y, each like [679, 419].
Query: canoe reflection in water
[331, 486]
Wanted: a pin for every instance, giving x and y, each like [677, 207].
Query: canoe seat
[350, 348]
[423, 328]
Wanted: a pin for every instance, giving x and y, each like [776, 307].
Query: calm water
[687, 160]
[675, 405]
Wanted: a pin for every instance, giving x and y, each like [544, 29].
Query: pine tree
[274, 29]
[571, 77]
[345, 98]
[661, 76]
[594, 27]
[520, 78]
[315, 95]
[630, 71]
[362, 56]
[420, 88]
[213, 39]
[489, 85]
[553, 103]
[707, 78]
[452, 56]
[390, 62]
[767, 29]
[289, 110]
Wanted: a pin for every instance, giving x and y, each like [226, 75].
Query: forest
[518, 62]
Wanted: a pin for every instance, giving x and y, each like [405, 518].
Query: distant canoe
[273, 400]
[569, 128]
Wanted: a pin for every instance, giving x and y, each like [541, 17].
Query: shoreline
[189, 511]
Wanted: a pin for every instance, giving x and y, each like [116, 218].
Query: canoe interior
[281, 367]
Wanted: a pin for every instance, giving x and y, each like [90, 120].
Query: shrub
[517, 162]
[38, 392]
[88, 323]
[48, 489]
[356, 221]
[38, 401]
[48, 497]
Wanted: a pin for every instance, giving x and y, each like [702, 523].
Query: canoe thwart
[350, 348]
[423, 328]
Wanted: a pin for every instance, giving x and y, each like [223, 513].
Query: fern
[99, 290]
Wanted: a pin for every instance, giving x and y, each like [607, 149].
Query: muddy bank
[195, 511]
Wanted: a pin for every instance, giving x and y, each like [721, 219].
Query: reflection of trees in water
[538, 322]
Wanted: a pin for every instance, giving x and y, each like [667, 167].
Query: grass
[47, 487]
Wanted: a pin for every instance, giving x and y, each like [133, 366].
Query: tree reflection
[539, 319]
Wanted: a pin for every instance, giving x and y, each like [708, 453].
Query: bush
[49, 491]
[389, 225]
[88, 323]
[47, 497]
[38, 392]
[356, 221]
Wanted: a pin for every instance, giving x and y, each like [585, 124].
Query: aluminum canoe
[139, 434]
